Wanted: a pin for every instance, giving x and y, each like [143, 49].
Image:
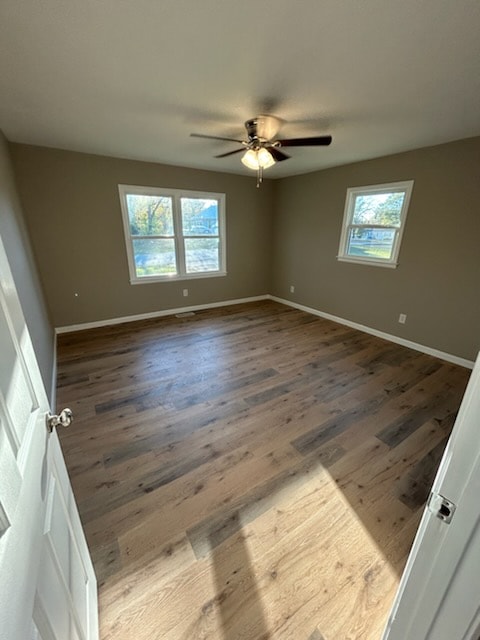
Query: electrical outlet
[292, 288]
[402, 318]
[185, 293]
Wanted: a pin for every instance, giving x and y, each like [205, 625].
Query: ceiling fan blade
[277, 154]
[229, 153]
[306, 142]
[201, 135]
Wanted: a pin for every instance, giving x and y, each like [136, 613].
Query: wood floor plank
[250, 472]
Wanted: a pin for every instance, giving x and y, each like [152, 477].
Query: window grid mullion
[372, 226]
[179, 240]
[152, 237]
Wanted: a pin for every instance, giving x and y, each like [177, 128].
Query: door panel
[64, 554]
[47, 586]
[18, 397]
[17, 412]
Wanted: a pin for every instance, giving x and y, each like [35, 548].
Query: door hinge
[441, 507]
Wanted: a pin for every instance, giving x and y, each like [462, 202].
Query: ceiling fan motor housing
[251, 127]
[262, 128]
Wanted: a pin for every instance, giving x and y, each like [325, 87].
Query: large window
[173, 234]
[373, 223]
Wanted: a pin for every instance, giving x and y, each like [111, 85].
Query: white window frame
[175, 195]
[352, 194]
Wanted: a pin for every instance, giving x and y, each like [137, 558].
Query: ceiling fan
[261, 149]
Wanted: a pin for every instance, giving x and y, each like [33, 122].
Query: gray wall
[437, 282]
[17, 245]
[73, 212]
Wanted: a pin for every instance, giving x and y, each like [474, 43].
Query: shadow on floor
[237, 600]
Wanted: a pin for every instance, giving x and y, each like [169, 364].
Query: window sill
[370, 263]
[190, 276]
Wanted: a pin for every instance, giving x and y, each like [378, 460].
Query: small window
[172, 234]
[373, 223]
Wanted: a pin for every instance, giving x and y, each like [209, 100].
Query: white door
[47, 583]
[439, 595]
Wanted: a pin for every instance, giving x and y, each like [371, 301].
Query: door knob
[64, 418]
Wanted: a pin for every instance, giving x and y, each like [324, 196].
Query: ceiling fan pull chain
[259, 176]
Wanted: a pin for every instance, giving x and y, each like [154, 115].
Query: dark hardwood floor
[250, 472]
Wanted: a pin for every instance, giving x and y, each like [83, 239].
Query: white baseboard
[155, 314]
[380, 334]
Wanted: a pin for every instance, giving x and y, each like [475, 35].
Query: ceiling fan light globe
[256, 159]
[250, 160]
[265, 158]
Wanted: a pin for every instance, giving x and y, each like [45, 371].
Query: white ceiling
[135, 78]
